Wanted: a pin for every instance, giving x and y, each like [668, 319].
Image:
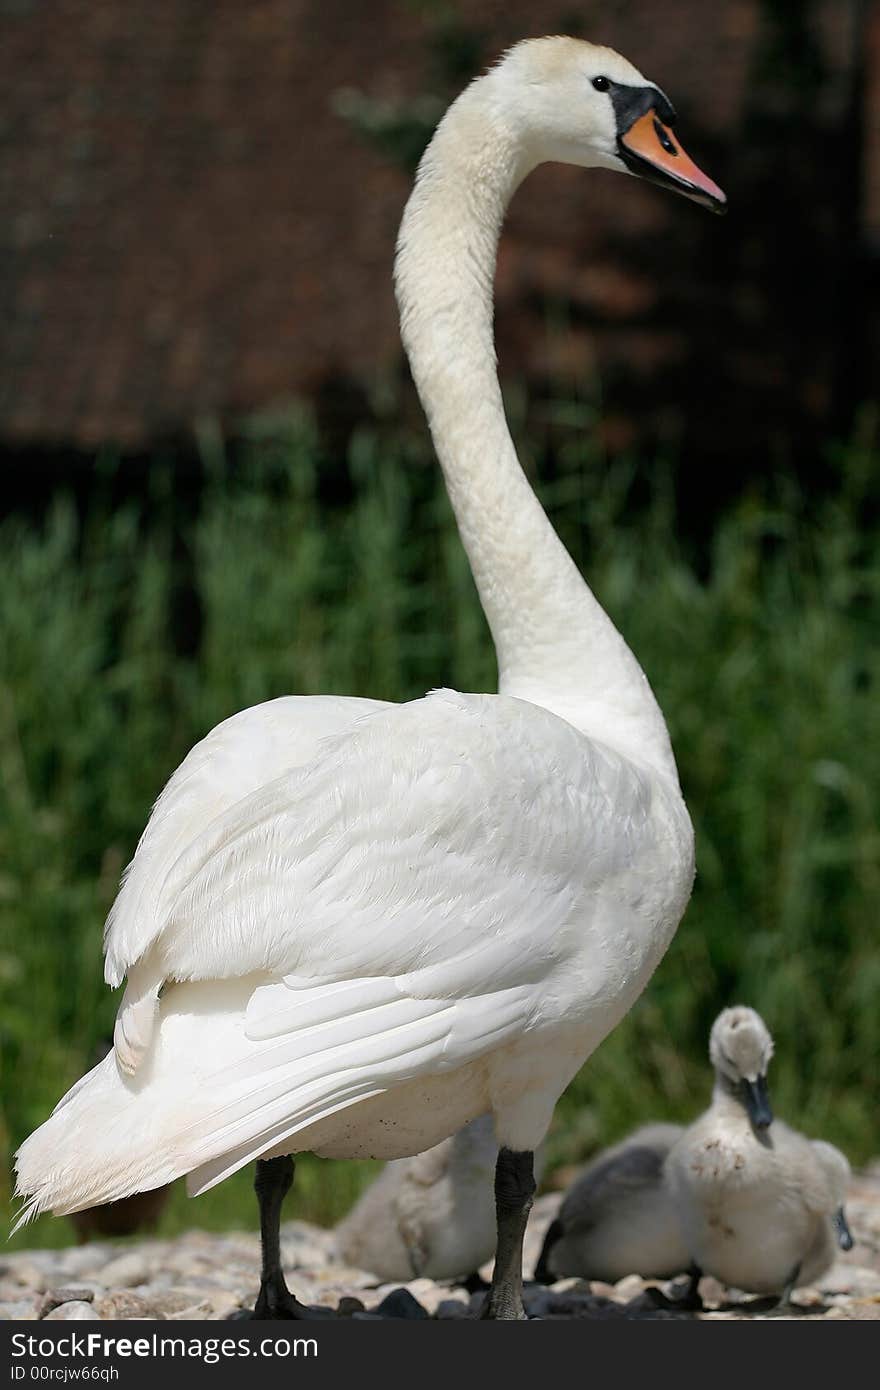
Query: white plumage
[352, 927]
[245, 752]
[460, 863]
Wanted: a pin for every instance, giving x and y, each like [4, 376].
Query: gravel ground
[216, 1277]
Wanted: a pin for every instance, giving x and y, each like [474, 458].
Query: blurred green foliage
[759, 653]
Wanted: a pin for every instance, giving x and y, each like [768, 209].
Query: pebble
[400, 1303]
[198, 1312]
[850, 1280]
[121, 1304]
[452, 1308]
[72, 1312]
[627, 1288]
[30, 1277]
[125, 1271]
[23, 1311]
[216, 1277]
[349, 1306]
[52, 1298]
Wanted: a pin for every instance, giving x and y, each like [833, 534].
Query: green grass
[761, 660]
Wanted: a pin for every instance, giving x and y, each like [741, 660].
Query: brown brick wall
[190, 228]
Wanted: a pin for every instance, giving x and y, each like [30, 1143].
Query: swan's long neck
[555, 645]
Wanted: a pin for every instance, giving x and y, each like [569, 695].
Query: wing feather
[463, 842]
[237, 757]
[314, 1060]
[459, 830]
[435, 881]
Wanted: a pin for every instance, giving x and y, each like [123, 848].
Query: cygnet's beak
[648, 148]
[844, 1234]
[757, 1100]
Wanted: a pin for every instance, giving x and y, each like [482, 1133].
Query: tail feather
[209, 1096]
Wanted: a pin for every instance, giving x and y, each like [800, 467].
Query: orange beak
[650, 150]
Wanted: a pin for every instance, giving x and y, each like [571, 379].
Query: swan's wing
[232, 761]
[312, 1049]
[235, 1071]
[423, 887]
[611, 1180]
[451, 840]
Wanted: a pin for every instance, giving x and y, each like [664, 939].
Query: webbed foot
[276, 1302]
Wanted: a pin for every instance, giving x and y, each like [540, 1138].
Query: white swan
[352, 927]
[760, 1206]
[618, 1217]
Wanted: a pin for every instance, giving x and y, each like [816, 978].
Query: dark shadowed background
[217, 486]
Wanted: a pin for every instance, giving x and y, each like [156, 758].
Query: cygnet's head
[740, 1048]
[836, 1170]
[577, 103]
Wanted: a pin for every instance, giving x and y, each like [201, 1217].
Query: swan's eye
[601, 84]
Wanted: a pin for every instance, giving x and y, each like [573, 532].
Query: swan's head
[740, 1048]
[577, 103]
[836, 1172]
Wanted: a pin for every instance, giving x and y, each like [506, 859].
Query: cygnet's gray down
[618, 1217]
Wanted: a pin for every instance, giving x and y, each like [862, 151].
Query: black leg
[514, 1189]
[272, 1182]
[689, 1297]
[785, 1296]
